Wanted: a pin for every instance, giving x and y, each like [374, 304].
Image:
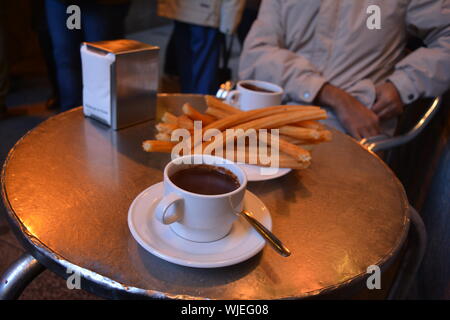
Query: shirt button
[411, 97]
[306, 95]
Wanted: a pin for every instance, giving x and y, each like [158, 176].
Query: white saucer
[253, 172]
[242, 243]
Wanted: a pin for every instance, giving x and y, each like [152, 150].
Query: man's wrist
[405, 86]
[329, 96]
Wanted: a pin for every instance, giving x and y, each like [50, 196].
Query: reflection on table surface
[71, 181]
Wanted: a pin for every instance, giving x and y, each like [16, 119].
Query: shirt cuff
[307, 91]
[405, 86]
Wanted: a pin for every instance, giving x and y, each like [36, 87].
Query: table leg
[17, 277]
[415, 250]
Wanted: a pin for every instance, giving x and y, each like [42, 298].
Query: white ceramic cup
[247, 99]
[199, 217]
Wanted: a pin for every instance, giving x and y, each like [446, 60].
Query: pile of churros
[298, 130]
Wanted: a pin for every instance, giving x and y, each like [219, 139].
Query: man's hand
[388, 103]
[359, 121]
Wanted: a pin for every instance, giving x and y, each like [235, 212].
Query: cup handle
[233, 98]
[163, 206]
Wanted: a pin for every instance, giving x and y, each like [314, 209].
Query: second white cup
[255, 94]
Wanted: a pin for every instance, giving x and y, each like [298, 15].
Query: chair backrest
[415, 163]
[413, 121]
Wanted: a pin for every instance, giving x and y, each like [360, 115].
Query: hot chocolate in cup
[202, 196]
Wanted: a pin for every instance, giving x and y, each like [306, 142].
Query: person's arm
[265, 57]
[360, 121]
[426, 71]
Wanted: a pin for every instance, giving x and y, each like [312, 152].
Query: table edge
[58, 264]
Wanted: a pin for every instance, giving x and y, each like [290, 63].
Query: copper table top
[68, 185]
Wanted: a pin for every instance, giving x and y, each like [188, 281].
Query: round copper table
[68, 185]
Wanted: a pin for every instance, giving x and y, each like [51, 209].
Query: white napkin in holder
[120, 81]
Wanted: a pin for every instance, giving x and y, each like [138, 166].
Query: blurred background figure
[194, 49]
[40, 26]
[100, 20]
[4, 84]
[248, 17]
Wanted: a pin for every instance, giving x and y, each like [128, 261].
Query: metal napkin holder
[134, 78]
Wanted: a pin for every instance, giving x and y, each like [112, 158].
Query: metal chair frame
[18, 275]
[383, 142]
